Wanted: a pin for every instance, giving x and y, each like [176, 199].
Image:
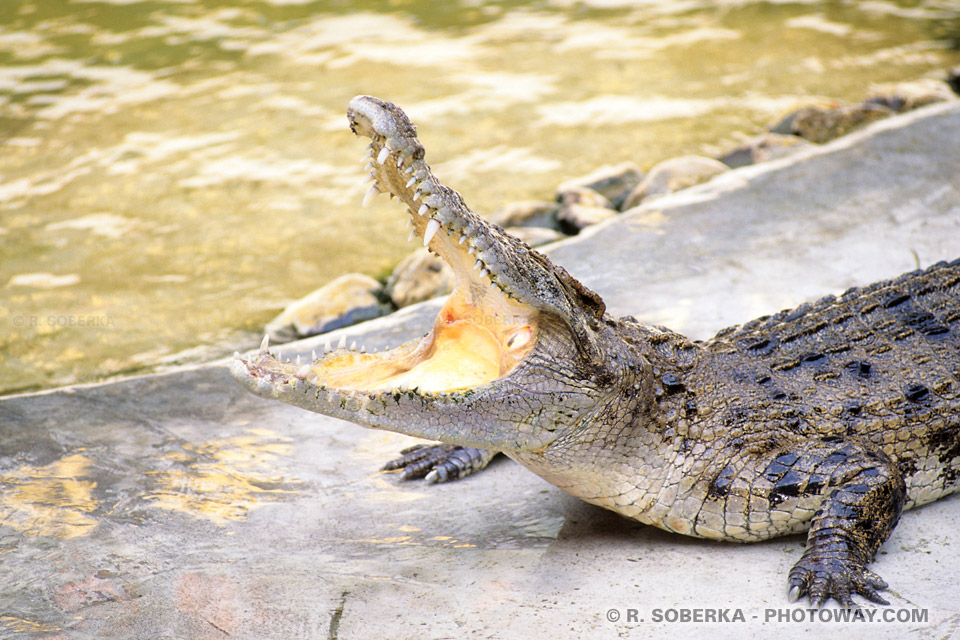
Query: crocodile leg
[440, 462]
[853, 521]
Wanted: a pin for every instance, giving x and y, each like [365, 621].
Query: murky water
[172, 173]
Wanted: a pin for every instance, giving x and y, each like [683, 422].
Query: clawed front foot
[836, 574]
[854, 519]
[439, 462]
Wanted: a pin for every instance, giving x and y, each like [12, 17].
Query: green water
[173, 173]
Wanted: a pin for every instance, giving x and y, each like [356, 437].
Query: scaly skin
[832, 417]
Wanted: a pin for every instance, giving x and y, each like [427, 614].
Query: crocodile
[830, 418]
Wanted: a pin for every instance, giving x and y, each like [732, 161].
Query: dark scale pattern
[840, 355]
[869, 382]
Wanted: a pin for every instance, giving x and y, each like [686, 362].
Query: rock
[420, 276]
[768, 146]
[823, 123]
[575, 217]
[526, 214]
[536, 236]
[907, 96]
[613, 182]
[581, 207]
[349, 299]
[953, 79]
[672, 175]
[582, 196]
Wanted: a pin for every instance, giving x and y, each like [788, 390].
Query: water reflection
[179, 171]
[222, 479]
[54, 500]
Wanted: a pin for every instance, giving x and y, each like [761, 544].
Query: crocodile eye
[519, 337]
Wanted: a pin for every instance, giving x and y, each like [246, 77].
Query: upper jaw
[480, 253]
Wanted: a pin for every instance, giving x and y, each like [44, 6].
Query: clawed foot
[821, 577]
[439, 462]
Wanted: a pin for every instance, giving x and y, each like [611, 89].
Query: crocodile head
[515, 330]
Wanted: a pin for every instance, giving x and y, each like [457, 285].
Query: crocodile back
[881, 363]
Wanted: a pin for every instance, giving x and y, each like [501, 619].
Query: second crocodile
[829, 418]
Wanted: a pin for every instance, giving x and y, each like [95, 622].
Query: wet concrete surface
[178, 506]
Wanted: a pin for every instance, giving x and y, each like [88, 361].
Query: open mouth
[483, 331]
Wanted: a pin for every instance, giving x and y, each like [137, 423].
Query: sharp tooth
[367, 155]
[408, 170]
[383, 155]
[417, 194]
[422, 210]
[304, 371]
[401, 387]
[432, 227]
[409, 223]
[353, 346]
[413, 234]
[409, 182]
[462, 239]
[298, 359]
[313, 354]
[326, 346]
[363, 349]
[265, 344]
[477, 265]
[371, 194]
[236, 354]
[343, 342]
[471, 250]
[483, 272]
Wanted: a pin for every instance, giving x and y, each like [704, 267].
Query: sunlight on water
[172, 173]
